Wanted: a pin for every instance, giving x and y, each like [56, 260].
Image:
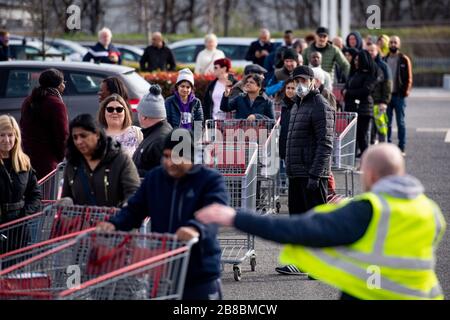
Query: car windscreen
[135, 83]
[233, 51]
[186, 54]
[20, 82]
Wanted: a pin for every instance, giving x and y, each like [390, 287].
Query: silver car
[83, 79]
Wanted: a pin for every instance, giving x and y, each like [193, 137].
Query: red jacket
[45, 133]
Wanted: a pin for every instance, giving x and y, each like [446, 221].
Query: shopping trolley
[344, 146]
[109, 266]
[265, 133]
[15, 256]
[53, 221]
[237, 162]
[337, 92]
[51, 184]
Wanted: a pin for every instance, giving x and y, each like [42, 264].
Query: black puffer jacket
[148, 154]
[18, 189]
[112, 182]
[286, 107]
[361, 85]
[310, 137]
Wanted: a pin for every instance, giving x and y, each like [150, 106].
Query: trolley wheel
[237, 273]
[253, 263]
[278, 206]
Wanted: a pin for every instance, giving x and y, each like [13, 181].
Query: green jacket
[330, 56]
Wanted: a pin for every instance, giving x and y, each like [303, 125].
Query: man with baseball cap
[152, 118]
[309, 146]
[238, 88]
[331, 55]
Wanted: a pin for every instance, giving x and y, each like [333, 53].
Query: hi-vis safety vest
[398, 248]
[381, 120]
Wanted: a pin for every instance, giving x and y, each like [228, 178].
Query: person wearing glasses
[331, 55]
[115, 116]
[98, 172]
[253, 104]
[44, 123]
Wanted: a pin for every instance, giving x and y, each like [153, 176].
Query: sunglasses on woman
[117, 109]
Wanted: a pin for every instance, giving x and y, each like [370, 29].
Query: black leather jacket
[19, 193]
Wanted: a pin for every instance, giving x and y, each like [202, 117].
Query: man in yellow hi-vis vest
[380, 245]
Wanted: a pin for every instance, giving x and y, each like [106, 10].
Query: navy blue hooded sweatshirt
[359, 40]
[171, 204]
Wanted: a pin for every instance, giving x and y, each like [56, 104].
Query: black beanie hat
[290, 54]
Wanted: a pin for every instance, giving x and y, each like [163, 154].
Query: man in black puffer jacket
[308, 149]
[309, 145]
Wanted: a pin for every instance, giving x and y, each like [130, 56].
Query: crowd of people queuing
[106, 157]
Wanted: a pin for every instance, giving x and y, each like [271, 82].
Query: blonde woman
[115, 116]
[19, 191]
[204, 63]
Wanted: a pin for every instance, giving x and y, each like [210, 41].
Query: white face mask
[302, 90]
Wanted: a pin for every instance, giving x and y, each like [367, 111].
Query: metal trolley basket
[51, 184]
[263, 132]
[238, 164]
[344, 146]
[52, 222]
[111, 266]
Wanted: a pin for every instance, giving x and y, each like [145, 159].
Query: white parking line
[432, 129]
[447, 130]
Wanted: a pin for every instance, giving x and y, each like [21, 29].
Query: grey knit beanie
[152, 104]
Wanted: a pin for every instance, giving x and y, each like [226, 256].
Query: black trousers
[301, 199]
[362, 133]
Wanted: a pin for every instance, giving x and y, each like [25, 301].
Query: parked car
[18, 78]
[27, 49]
[186, 51]
[130, 53]
[72, 50]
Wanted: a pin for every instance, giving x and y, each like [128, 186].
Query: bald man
[157, 56]
[260, 49]
[380, 245]
[402, 80]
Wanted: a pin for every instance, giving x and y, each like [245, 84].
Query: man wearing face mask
[309, 146]
[401, 70]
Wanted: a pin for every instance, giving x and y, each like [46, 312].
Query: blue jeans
[398, 104]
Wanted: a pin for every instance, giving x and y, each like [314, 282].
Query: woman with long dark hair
[98, 172]
[44, 123]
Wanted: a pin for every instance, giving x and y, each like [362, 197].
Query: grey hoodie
[404, 187]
